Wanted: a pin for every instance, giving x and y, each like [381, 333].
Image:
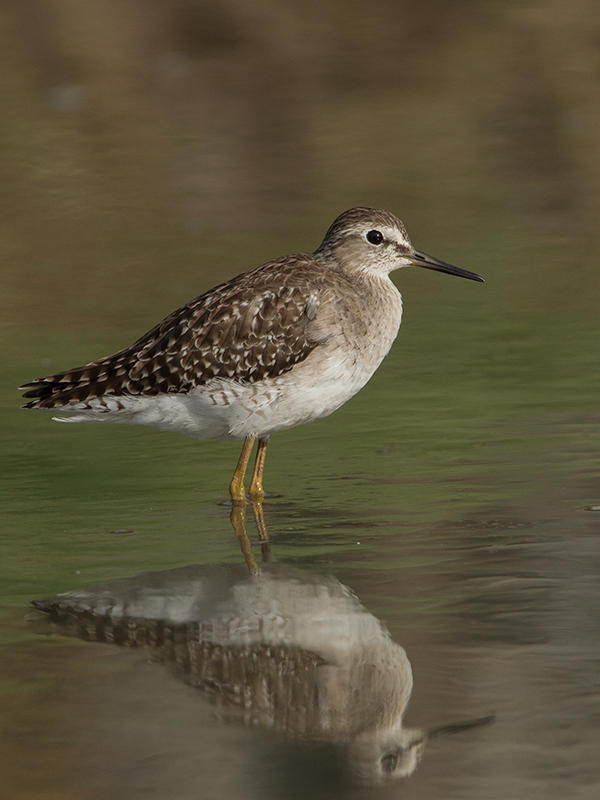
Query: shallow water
[453, 496]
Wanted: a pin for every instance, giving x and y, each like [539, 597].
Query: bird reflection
[277, 648]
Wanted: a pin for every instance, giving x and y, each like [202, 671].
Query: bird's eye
[375, 237]
[389, 762]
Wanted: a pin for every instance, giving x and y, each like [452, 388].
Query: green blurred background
[150, 150]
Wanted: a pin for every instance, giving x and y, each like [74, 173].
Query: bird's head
[375, 241]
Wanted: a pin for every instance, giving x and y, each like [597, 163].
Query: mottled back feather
[254, 327]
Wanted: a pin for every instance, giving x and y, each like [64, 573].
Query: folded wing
[244, 330]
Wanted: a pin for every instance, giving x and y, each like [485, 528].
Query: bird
[280, 345]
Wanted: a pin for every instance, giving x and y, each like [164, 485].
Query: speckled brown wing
[254, 327]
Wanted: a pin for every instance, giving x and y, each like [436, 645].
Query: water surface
[446, 512]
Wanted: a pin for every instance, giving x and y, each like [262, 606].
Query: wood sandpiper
[285, 343]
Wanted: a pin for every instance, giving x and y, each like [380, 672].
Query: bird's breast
[369, 323]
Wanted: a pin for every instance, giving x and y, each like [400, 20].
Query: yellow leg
[257, 492]
[236, 487]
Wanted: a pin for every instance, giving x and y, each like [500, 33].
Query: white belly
[224, 409]
[310, 391]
